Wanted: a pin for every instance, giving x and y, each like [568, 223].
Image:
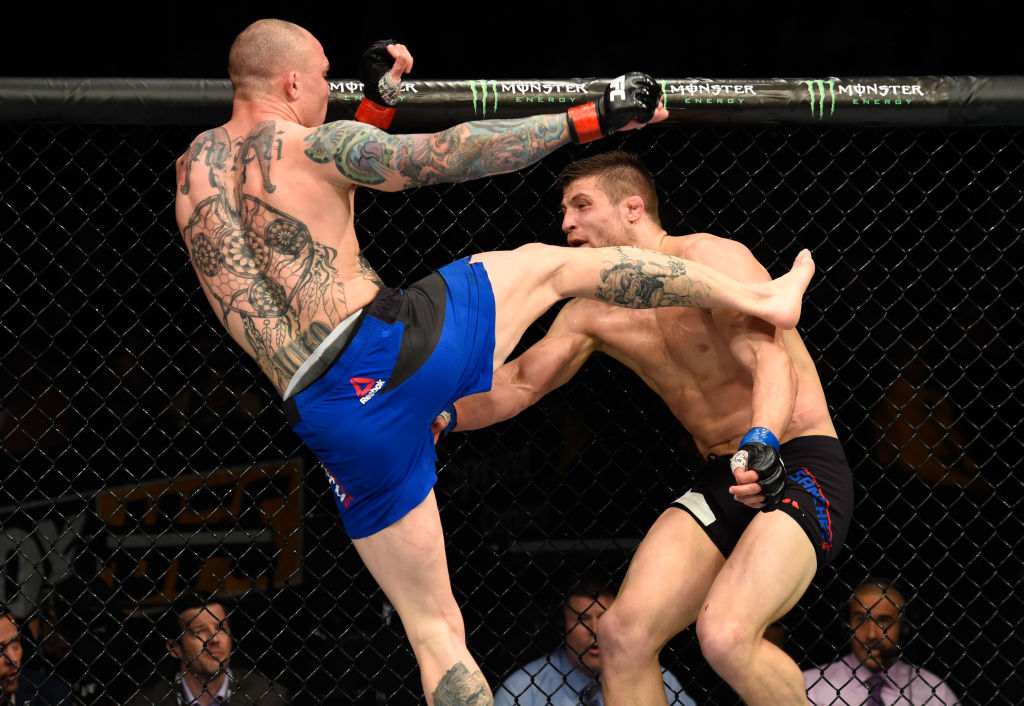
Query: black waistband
[385, 306]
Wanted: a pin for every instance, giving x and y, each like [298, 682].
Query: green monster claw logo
[479, 88]
[817, 90]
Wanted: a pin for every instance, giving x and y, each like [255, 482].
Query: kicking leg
[664, 588]
[530, 279]
[408, 561]
[642, 279]
[764, 577]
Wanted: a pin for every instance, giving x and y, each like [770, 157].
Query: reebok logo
[366, 388]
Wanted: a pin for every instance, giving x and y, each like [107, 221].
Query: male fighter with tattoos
[743, 389]
[265, 205]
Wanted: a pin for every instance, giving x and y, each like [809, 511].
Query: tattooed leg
[641, 279]
[460, 686]
[407, 559]
[528, 280]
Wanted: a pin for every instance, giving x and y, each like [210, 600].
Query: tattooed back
[270, 232]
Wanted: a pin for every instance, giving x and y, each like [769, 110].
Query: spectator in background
[874, 672]
[571, 675]
[74, 646]
[21, 685]
[198, 636]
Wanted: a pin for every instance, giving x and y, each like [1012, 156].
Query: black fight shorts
[818, 495]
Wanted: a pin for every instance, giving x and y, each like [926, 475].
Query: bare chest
[670, 348]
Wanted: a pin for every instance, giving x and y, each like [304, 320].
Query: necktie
[874, 685]
[588, 697]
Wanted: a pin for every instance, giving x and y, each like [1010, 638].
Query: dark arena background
[143, 455]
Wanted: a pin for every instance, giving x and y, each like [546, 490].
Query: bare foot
[788, 291]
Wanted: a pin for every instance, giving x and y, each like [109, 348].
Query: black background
[530, 40]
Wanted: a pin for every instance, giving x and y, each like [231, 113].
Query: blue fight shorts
[818, 495]
[368, 416]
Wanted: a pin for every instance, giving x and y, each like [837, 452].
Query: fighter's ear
[174, 649]
[291, 85]
[634, 208]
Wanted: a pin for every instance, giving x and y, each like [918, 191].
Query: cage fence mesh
[144, 454]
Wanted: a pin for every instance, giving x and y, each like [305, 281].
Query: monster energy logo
[817, 89]
[480, 89]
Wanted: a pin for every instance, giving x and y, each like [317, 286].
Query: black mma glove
[633, 96]
[759, 451]
[380, 91]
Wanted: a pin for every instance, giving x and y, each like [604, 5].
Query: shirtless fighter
[748, 392]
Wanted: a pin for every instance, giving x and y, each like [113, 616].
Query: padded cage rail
[430, 105]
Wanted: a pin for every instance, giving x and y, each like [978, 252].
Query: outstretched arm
[519, 383]
[391, 163]
[367, 156]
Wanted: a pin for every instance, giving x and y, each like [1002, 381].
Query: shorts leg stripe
[696, 504]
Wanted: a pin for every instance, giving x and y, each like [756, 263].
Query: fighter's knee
[723, 640]
[446, 627]
[622, 637]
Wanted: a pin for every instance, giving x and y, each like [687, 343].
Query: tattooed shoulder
[361, 153]
[216, 144]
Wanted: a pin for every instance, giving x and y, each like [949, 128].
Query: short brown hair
[260, 50]
[589, 587]
[173, 622]
[620, 174]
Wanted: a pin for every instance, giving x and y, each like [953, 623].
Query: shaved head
[264, 49]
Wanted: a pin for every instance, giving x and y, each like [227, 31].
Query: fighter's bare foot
[788, 292]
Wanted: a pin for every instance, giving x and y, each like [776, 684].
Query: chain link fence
[144, 455]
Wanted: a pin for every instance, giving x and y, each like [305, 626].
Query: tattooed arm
[367, 156]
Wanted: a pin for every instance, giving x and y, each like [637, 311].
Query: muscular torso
[271, 236]
[681, 355]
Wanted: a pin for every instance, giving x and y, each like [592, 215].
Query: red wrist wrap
[372, 114]
[584, 123]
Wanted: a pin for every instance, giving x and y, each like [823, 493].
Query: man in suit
[199, 637]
